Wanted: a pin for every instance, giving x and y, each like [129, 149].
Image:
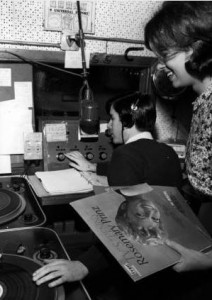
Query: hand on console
[79, 162]
[59, 271]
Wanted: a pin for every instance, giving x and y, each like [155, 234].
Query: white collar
[140, 135]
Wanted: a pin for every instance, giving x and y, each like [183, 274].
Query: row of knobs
[89, 156]
[16, 187]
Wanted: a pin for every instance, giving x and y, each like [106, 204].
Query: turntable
[22, 252]
[18, 205]
[16, 280]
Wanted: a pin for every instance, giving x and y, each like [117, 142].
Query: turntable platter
[16, 280]
[11, 205]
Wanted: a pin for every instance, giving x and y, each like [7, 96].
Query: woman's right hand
[79, 162]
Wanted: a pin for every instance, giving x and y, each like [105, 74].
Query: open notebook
[64, 182]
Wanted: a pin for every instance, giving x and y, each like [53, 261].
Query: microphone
[89, 116]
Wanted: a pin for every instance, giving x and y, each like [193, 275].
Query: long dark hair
[180, 26]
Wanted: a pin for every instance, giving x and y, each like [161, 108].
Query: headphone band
[134, 106]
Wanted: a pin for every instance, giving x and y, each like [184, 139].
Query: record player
[18, 206]
[22, 252]
[16, 282]
[24, 244]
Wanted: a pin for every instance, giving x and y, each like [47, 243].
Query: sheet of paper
[64, 182]
[103, 127]
[5, 77]
[95, 179]
[73, 59]
[55, 132]
[62, 14]
[12, 132]
[5, 164]
[23, 93]
[15, 120]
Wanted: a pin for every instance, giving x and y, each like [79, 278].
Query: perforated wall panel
[22, 20]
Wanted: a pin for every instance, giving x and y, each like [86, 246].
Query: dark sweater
[142, 161]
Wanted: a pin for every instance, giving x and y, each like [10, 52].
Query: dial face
[54, 21]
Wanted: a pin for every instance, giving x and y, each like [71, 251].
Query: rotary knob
[89, 155]
[28, 217]
[60, 156]
[16, 187]
[45, 253]
[103, 155]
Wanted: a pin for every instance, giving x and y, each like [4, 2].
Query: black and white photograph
[105, 149]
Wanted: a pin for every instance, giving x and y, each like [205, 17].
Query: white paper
[55, 132]
[103, 127]
[5, 164]
[5, 77]
[64, 182]
[16, 119]
[62, 14]
[12, 132]
[23, 93]
[73, 59]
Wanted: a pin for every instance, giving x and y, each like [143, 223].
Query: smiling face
[115, 127]
[175, 69]
[173, 64]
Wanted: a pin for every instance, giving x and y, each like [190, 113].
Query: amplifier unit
[61, 136]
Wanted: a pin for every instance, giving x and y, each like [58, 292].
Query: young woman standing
[180, 35]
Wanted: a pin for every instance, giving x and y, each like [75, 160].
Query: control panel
[62, 136]
[33, 146]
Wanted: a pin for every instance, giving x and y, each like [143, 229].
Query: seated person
[140, 158]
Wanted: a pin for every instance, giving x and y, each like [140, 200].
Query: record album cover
[134, 222]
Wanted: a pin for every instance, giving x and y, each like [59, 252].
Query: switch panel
[33, 146]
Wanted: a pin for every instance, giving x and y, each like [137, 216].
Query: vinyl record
[16, 280]
[11, 205]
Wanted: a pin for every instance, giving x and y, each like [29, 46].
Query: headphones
[129, 119]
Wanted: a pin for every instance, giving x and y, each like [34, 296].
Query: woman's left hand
[190, 260]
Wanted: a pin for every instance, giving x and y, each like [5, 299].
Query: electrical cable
[39, 63]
